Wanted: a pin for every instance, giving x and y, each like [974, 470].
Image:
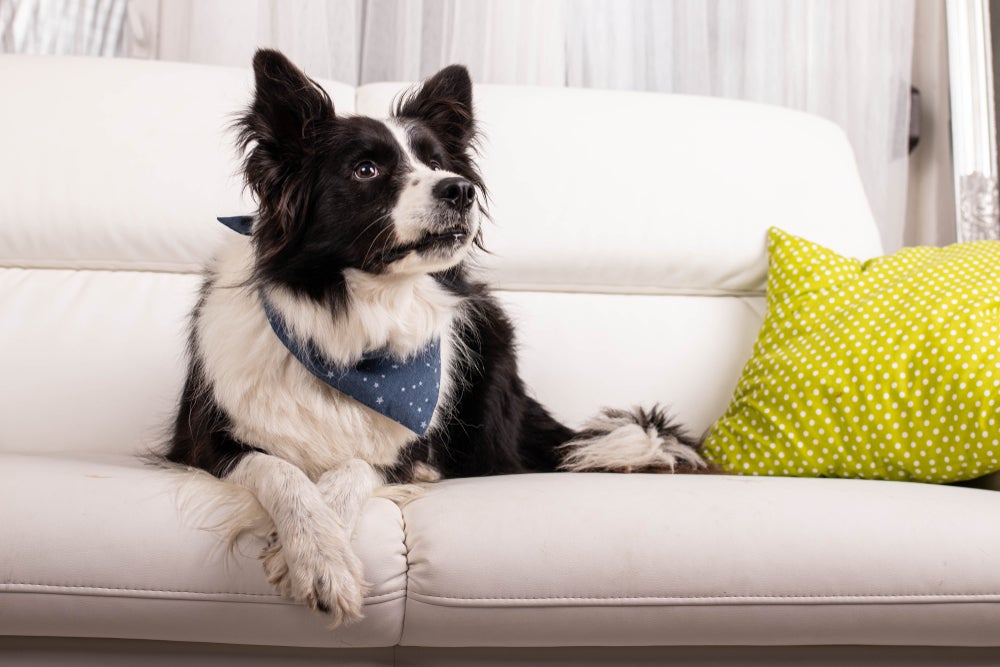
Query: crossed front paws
[320, 569]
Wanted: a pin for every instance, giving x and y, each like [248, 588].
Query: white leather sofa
[629, 244]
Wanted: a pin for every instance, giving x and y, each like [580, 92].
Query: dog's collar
[404, 390]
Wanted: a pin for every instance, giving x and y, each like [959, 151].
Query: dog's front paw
[320, 570]
[334, 584]
[275, 565]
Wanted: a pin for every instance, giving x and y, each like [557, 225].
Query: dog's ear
[444, 103]
[276, 135]
[288, 107]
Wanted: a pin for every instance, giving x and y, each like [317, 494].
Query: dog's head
[396, 197]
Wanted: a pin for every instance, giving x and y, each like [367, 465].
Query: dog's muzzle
[454, 225]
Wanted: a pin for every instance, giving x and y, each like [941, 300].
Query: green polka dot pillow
[886, 369]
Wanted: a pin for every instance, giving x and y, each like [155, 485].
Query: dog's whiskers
[378, 237]
[381, 218]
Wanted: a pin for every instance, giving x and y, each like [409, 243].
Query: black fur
[316, 220]
[495, 428]
[202, 433]
[655, 418]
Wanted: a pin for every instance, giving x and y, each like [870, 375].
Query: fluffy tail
[636, 440]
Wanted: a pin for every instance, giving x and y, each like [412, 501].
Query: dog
[339, 344]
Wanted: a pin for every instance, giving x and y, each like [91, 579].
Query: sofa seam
[406, 575]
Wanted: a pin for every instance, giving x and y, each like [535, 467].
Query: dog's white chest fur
[274, 402]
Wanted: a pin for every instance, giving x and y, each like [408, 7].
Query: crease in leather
[501, 286]
[103, 265]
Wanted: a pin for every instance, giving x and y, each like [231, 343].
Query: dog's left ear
[444, 103]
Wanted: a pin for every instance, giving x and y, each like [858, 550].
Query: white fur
[422, 263]
[343, 490]
[424, 472]
[219, 506]
[399, 132]
[415, 209]
[313, 562]
[346, 488]
[274, 402]
[307, 492]
[310, 493]
[623, 445]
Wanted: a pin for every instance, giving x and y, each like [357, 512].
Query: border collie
[339, 344]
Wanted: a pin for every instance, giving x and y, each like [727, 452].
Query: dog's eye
[365, 171]
[435, 165]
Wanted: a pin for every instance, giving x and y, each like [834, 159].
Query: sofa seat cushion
[597, 559]
[96, 547]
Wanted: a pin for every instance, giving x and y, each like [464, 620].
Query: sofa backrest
[628, 236]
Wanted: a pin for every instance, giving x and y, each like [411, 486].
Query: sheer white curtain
[847, 61]
[501, 41]
[63, 27]
[321, 36]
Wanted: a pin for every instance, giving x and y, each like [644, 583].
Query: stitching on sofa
[12, 587]
[930, 597]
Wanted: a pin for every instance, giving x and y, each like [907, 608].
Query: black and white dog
[340, 346]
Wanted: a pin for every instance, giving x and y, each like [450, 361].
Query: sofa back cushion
[628, 237]
[646, 193]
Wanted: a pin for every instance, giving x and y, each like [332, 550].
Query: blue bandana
[238, 223]
[404, 390]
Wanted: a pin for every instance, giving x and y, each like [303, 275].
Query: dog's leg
[346, 488]
[318, 565]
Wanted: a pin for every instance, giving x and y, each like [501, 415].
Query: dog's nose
[456, 191]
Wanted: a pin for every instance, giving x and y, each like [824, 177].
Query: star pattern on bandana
[401, 383]
[413, 375]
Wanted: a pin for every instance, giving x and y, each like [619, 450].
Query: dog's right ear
[444, 103]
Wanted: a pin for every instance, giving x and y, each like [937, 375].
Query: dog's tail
[636, 440]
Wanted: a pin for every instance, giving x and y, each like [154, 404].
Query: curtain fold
[501, 41]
